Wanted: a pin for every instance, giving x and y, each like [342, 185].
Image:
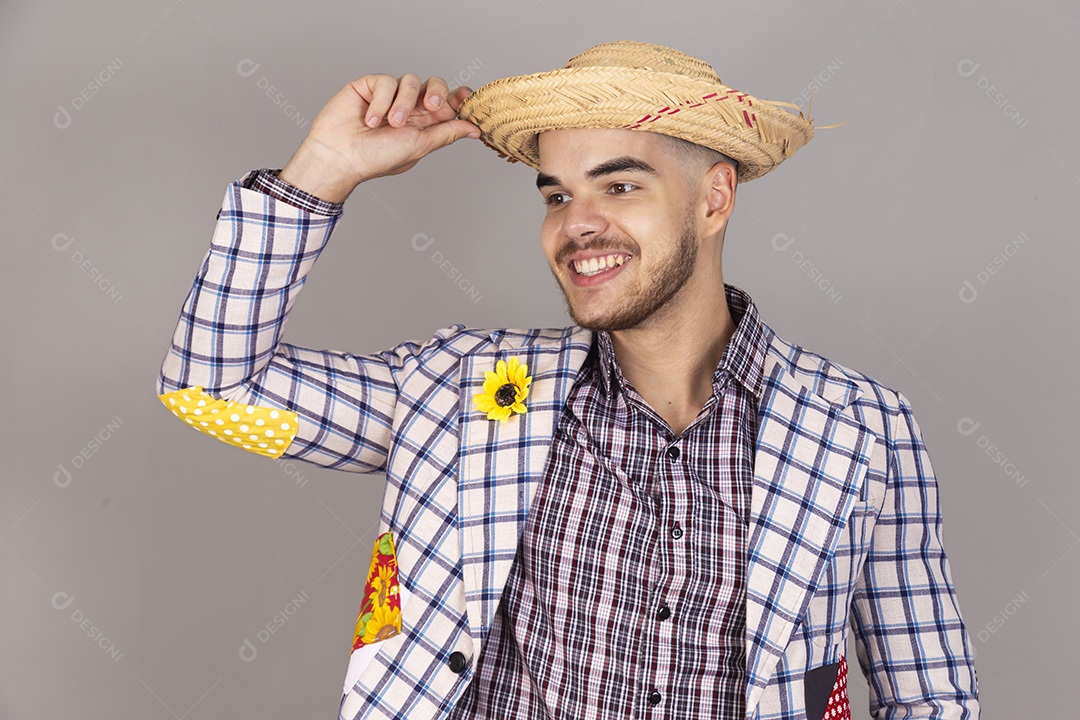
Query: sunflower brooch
[505, 390]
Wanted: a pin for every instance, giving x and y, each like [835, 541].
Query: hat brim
[511, 112]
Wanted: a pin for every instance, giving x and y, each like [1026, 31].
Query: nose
[583, 219]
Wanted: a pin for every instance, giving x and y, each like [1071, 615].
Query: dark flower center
[385, 632]
[506, 395]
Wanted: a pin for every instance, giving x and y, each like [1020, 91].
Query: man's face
[620, 238]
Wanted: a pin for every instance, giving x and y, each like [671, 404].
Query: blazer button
[458, 663]
[654, 698]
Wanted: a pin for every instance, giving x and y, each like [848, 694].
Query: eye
[622, 185]
[552, 199]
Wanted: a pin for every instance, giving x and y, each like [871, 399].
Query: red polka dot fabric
[838, 707]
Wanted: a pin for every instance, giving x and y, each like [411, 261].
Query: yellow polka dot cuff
[264, 430]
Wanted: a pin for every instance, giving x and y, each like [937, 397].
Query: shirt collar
[743, 357]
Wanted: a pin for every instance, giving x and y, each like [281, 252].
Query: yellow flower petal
[517, 372]
[384, 623]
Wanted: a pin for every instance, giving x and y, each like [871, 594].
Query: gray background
[123, 122]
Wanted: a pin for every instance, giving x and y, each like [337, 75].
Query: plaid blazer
[845, 523]
[845, 530]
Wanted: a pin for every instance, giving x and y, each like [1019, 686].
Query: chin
[591, 312]
[597, 319]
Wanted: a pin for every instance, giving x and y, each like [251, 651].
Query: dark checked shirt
[266, 181]
[627, 595]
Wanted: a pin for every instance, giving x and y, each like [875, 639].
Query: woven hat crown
[644, 56]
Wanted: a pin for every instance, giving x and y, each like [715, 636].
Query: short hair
[695, 158]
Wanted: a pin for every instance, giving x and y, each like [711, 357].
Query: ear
[720, 181]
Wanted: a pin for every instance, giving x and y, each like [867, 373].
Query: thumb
[448, 132]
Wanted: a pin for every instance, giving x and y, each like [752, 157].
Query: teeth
[592, 266]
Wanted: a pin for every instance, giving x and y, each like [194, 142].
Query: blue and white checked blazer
[845, 524]
[845, 527]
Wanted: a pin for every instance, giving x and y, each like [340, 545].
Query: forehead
[570, 149]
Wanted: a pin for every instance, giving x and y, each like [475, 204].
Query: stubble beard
[641, 303]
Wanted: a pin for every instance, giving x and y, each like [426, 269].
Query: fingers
[382, 89]
[435, 92]
[448, 101]
[407, 100]
[458, 96]
[445, 133]
[407, 91]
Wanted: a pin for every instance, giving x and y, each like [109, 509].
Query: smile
[594, 266]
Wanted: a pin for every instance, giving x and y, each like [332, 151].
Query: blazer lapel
[502, 462]
[810, 458]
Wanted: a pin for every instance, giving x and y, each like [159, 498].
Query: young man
[664, 510]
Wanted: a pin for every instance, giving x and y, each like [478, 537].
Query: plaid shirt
[267, 181]
[844, 526]
[627, 596]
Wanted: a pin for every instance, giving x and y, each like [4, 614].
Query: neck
[671, 359]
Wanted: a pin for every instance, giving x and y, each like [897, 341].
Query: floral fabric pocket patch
[380, 610]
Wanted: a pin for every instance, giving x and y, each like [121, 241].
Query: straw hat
[638, 86]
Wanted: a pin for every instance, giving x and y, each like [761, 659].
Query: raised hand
[376, 126]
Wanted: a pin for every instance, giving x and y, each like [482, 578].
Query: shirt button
[664, 613]
[673, 452]
[654, 698]
[457, 663]
[676, 531]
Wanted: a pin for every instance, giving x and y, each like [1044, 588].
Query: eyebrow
[610, 167]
